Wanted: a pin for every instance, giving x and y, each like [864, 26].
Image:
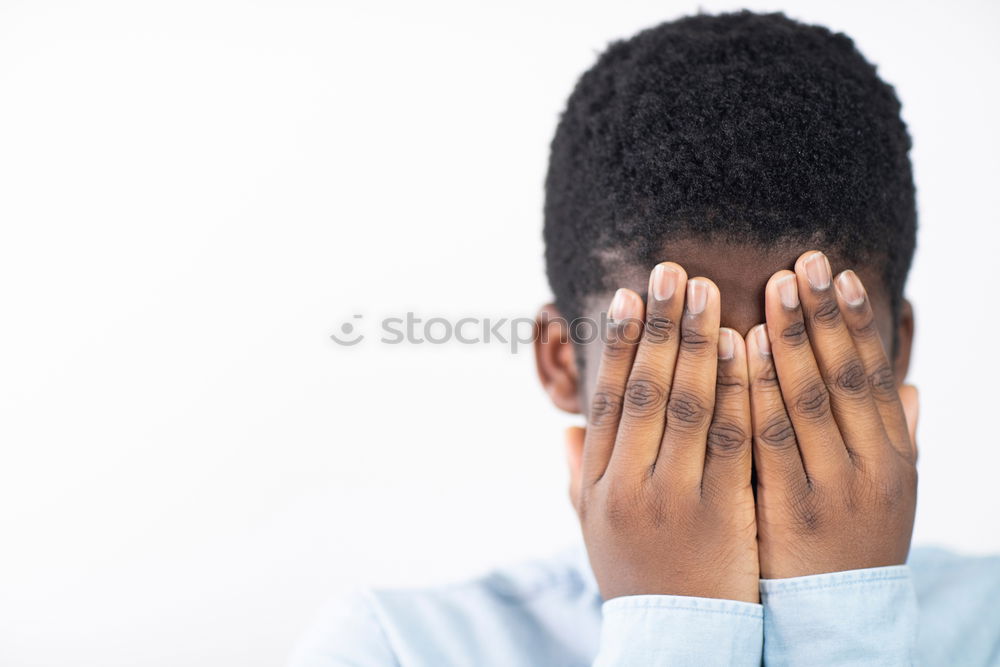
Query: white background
[195, 195]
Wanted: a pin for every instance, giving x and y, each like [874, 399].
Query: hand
[662, 484]
[833, 447]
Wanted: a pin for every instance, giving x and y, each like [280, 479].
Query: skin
[680, 408]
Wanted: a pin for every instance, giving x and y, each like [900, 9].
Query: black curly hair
[749, 128]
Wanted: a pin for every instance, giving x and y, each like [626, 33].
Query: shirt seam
[749, 613]
[810, 588]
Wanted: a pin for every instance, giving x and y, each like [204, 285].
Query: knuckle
[890, 493]
[886, 493]
[644, 397]
[659, 329]
[766, 379]
[794, 335]
[726, 385]
[686, 410]
[618, 515]
[826, 314]
[778, 434]
[617, 348]
[865, 328]
[622, 337]
[694, 340]
[727, 438]
[883, 383]
[623, 507]
[604, 407]
[618, 509]
[812, 402]
[850, 377]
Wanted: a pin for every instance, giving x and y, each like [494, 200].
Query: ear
[555, 359]
[904, 338]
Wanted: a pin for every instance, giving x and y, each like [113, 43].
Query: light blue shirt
[939, 609]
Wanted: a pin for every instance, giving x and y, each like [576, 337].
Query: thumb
[910, 398]
[574, 458]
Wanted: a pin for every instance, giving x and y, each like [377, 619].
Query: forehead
[741, 272]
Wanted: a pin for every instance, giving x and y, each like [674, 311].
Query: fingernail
[623, 306]
[664, 282]
[818, 270]
[697, 296]
[763, 343]
[727, 344]
[788, 291]
[850, 288]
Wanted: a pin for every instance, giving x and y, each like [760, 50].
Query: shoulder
[957, 597]
[513, 615]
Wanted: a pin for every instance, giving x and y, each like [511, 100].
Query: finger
[623, 335]
[838, 360]
[806, 398]
[692, 394]
[574, 459]
[860, 320]
[727, 452]
[775, 448]
[910, 399]
[641, 426]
